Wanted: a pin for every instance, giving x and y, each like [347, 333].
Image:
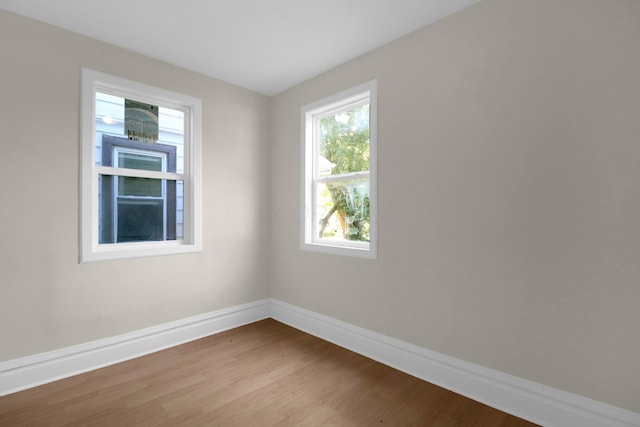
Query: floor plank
[262, 374]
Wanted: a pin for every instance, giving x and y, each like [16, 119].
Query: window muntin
[339, 187]
[138, 198]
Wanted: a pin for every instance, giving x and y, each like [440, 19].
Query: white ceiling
[263, 45]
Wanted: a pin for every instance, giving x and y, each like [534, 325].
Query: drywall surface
[509, 194]
[48, 300]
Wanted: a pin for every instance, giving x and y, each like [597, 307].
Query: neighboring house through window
[137, 209]
[140, 191]
[339, 188]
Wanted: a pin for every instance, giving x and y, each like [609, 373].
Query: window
[140, 170]
[339, 170]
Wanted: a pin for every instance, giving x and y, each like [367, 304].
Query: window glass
[110, 120]
[344, 140]
[140, 187]
[343, 203]
[343, 209]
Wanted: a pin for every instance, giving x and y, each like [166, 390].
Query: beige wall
[47, 299]
[509, 189]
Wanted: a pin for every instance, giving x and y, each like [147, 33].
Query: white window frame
[90, 248]
[311, 114]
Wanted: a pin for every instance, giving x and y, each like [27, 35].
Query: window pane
[140, 187]
[140, 220]
[140, 209]
[343, 210]
[344, 142]
[110, 120]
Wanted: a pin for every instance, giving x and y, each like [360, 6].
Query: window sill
[364, 251]
[138, 250]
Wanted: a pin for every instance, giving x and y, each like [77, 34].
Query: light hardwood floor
[263, 374]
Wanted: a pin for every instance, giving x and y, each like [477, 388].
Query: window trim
[309, 115]
[90, 249]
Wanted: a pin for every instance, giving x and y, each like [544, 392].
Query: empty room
[295, 213]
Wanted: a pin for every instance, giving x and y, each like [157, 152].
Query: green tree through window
[344, 143]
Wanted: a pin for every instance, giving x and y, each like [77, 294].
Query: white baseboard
[535, 402]
[31, 371]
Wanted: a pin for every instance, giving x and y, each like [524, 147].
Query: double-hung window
[339, 173]
[140, 170]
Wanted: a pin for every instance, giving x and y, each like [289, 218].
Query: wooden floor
[263, 374]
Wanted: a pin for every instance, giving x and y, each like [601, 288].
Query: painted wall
[509, 194]
[47, 299]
